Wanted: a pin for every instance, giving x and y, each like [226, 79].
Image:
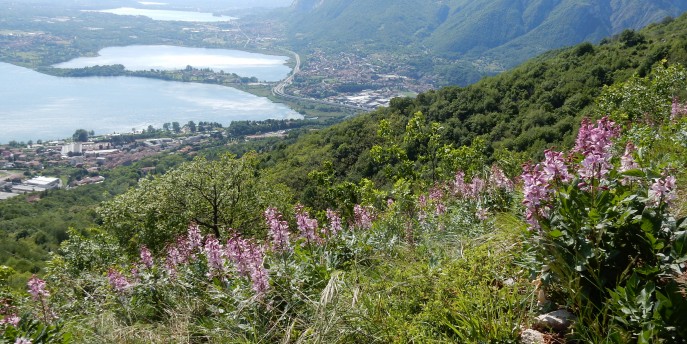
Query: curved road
[278, 90]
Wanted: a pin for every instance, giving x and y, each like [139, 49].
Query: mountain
[527, 109]
[503, 33]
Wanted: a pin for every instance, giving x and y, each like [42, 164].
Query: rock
[531, 336]
[558, 321]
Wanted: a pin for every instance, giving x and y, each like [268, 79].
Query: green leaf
[555, 234]
[634, 173]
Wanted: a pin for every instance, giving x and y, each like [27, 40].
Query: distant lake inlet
[165, 57]
[38, 106]
[166, 15]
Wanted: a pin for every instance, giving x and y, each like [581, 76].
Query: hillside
[491, 35]
[527, 109]
[426, 221]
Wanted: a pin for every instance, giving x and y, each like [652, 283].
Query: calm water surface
[167, 15]
[37, 106]
[165, 57]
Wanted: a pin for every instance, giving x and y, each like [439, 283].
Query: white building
[45, 182]
[72, 147]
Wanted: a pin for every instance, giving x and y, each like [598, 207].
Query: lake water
[38, 106]
[167, 15]
[165, 57]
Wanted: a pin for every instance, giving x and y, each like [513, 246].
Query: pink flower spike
[662, 190]
[279, 230]
[117, 280]
[335, 225]
[146, 257]
[215, 257]
[363, 217]
[627, 161]
[37, 288]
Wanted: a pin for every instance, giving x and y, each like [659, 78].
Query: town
[32, 168]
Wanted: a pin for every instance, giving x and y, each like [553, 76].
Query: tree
[166, 126]
[217, 195]
[80, 135]
[191, 126]
[176, 127]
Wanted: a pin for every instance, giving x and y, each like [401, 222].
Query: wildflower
[627, 161]
[22, 340]
[594, 167]
[363, 217]
[437, 196]
[554, 167]
[146, 257]
[279, 230]
[677, 109]
[595, 144]
[662, 190]
[475, 188]
[260, 280]
[237, 252]
[307, 226]
[11, 319]
[214, 255]
[595, 140]
[536, 190]
[37, 288]
[459, 186]
[498, 179]
[334, 223]
[117, 280]
[194, 238]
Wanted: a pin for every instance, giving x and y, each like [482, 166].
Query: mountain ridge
[504, 32]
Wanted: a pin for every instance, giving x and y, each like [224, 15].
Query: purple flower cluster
[436, 195]
[335, 224]
[146, 257]
[307, 226]
[594, 143]
[248, 258]
[118, 282]
[363, 216]
[499, 180]
[555, 167]
[279, 230]
[37, 288]
[662, 190]
[9, 313]
[536, 191]
[627, 161]
[215, 256]
[677, 109]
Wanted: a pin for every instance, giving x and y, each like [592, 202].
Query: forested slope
[487, 35]
[532, 107]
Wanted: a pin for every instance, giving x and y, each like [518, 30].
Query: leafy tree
[176, 127]
[219, 196]
[80, 135]
[192, 126]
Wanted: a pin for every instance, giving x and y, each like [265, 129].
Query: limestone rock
[558, 321]
[531, 336]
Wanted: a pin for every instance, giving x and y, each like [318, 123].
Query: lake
[165, 57]
[166, 15]
[38, 106]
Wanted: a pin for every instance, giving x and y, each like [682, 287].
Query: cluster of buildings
[9, 188]
[18, 162]
[352, 79]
